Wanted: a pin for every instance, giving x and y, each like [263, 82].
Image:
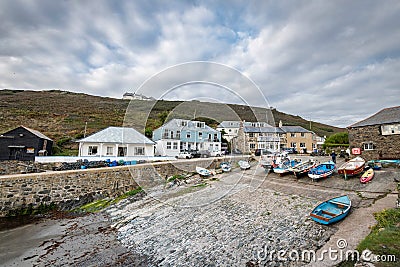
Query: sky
[336, 62]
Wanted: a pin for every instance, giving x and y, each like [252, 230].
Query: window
[183, 123]
[302, 144]
[139, 151]
[178, 134]
[252, 146]
[92, 150]
[293, 144]
[175, 145]
[110, 151]
[200, 135]
[303, 135]
[390, 129]
[200, 125]
[293, 134]
[168, 145]
[188, 135]
[251, 134]
[165, 134]
[230, 130]
[368, 146]
[215, 137]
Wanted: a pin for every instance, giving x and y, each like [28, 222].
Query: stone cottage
[378, 136]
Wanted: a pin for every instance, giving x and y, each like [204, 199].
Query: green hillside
[62, 115]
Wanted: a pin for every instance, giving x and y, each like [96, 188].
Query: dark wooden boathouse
[23, 143]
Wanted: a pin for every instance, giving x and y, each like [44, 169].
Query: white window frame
[139, 151]
[90, 150]
[175, 145]
[169, 145]
[110, 151]
[368, 146]
[302, 145]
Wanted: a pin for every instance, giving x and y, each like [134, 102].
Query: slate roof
[236, 124]
[294, 129]
[385, 116]
[37, 133]
[250, 129]
[175, 124]
[120, 135]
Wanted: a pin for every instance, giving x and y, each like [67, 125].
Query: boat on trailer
[322, 170]
[352, 167]
[332, 210]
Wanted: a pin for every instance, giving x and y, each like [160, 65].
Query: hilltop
[62, 115]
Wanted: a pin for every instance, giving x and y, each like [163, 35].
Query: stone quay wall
[70, 189]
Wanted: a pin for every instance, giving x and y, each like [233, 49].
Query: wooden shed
[23, 143]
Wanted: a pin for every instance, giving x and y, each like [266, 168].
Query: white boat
[226, 166]
[203, 171]
[244, 165]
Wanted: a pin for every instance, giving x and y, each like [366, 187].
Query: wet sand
[80, 241]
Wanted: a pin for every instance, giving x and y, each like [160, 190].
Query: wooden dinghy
[332, 210]
[302, 167]
[352, 167]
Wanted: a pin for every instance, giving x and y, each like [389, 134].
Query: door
[122, 151]
[16, 153]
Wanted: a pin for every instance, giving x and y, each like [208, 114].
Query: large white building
[116, 142]
[180, 135]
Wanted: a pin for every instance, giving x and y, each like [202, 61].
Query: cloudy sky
[330, 61]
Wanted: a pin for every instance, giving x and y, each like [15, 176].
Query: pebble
[228, 232]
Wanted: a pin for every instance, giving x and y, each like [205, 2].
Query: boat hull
[367, 176]
[352, 168]
[332, 210]
[323, 170]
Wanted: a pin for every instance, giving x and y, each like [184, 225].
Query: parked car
[184, 155]
[215, 153]
[237, 151]
[290, 150]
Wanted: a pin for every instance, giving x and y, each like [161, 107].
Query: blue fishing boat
[226, 166]
[322, 170]
[285, 166]
[332, 210]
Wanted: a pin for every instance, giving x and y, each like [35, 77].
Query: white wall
[102, 149]
[161, 147]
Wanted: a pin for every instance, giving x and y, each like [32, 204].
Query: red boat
[367, 176]
[352, 167]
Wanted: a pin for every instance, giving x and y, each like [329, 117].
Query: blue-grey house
[179, 135]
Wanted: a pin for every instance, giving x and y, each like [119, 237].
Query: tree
[337, 140]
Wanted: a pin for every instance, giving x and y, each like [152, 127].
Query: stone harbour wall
[69, 189]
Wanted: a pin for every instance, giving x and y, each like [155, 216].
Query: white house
[179, 134]
[116, 142]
